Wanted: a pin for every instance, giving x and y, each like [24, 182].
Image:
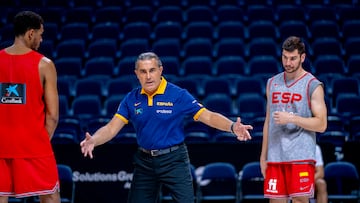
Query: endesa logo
[285, 97]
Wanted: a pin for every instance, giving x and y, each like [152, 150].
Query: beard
[289, 69]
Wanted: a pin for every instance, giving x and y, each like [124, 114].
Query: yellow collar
[160, 90]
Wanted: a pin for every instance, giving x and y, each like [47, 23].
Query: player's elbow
[322, 127]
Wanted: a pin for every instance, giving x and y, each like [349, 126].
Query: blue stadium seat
[335, 138]
[230, 13]
[197, 65]
[254, 2]
[173, 30]
[259, 12]
[47, 48]
[106, 3]
[353, 65]
[126, 66]
[326, 46]
[310, 3]
[193, 86]
[7, 32]
[64, 109]
[134, 30]
[79, 15]
[197, 47]
[354, 128]
[102, 48]
[276, 3]
[65, 88]
[63, 138]
[263, 47]
[293, 28]
[138, 14]
[161, 3]
[31, 4]
[197, 138]
[86, 106]
[342, 2]
[350, 29]
[342, 181]
[225, 137]
[94, 124]
[202, 13]
[99, 67]
[111, 104]
[230, 29]
[53, 14]
[202, 29]
[290, 12]
[263, 29]
[348, 13]
[251, 182]
[106, 30]
[252, 85]
[68, 67]
[344, 85]
[94, 4]
[347, 105]
[325, 29]
[51, 31]
[317, 13]
[133, 47]
[70, 48]
[263, 66]
[217, 85]
[67, 192]
[118, 86]
[250, 106]
[171, 66]
[352, 46]
[108, 14]
[135, 3]
[167, 47]
[230, 65]
[219, 102]
[88, 86]
[169, 14]
[191, 126]
[219, 181]
[227, 3]
[57, 4]
[71, 125]
[329, 65]
[234, 47]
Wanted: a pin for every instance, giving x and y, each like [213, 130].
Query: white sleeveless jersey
[290, 142]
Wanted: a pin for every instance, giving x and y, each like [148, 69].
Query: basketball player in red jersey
[29, 115]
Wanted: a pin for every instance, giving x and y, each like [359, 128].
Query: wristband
[232, 128]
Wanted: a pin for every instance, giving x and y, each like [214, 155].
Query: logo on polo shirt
[138, 111]
[12, 93]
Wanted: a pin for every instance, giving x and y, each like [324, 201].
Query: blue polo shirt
[158, 118]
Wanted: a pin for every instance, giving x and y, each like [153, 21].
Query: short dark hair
[294, 43]
[148, 56]
[26, 20]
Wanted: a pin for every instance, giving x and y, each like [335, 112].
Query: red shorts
[28, 177]
[292, 179]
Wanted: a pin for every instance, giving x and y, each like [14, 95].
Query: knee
[320, 185]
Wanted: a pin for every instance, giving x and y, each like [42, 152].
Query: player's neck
[19, 47]
[295, 75]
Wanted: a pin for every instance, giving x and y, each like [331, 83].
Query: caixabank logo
[12, 93]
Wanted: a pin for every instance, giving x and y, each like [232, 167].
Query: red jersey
[22, 109]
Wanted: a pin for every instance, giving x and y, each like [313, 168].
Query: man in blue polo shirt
[157, 110]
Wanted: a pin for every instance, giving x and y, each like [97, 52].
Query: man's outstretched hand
[242, 131]
[87, 145]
